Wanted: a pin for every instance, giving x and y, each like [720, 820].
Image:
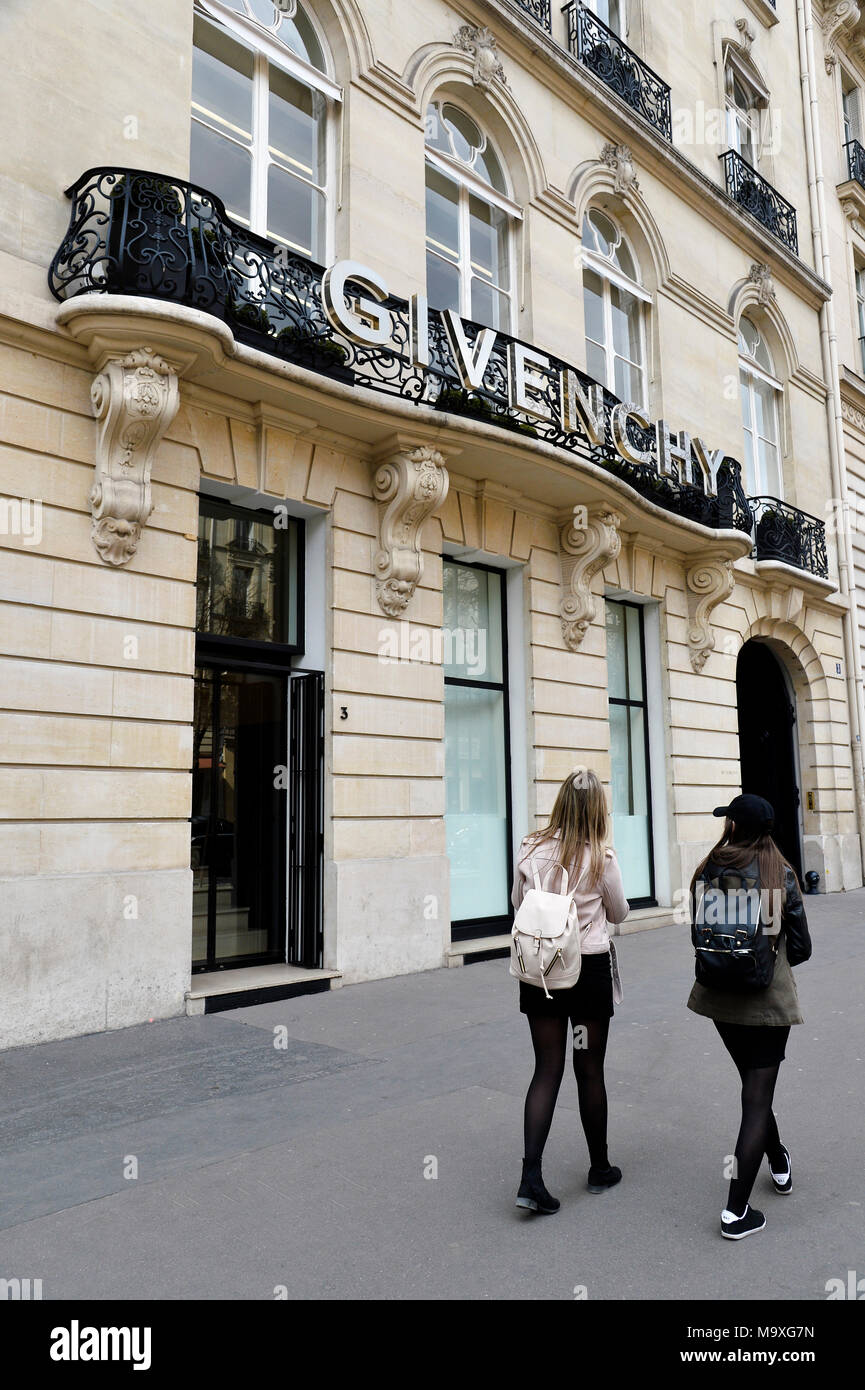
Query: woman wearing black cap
[754, 1025]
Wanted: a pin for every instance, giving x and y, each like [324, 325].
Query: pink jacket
[597, 907]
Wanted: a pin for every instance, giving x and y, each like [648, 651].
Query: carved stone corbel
[409, 487]
[844, 15]
[584, 551]
[135, 399]
[708, 582]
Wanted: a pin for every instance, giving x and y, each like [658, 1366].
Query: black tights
[550, 1040]
[758, 1133]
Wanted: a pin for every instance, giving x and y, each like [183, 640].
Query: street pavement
[366, 1143]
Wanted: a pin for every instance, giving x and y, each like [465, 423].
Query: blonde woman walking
[574, 839]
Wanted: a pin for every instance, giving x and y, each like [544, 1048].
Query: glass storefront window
[248, 575]
[629, 749]
[477, 812]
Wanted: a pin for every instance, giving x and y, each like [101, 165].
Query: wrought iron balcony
[782, 532]
[540, 11]
[133, 232]
[755, 195]
[855, 161]
[602, 51]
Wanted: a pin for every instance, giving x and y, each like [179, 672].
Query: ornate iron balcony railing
[133, 232]
[540, 11]
[602, 51]
[855, 161]
[782, 532]
[755, 195]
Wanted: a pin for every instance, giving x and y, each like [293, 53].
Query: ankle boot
[533, 1196]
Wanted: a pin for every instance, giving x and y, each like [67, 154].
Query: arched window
[260, 97]
[615, 305]
[469, 220]
[760, 392]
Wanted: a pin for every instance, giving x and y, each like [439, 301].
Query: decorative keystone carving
[760, 275]
[837, 18]
[584, 551]
[135, 399]
[481, 45]
[409, 487]
[620, 160]
[709, 581]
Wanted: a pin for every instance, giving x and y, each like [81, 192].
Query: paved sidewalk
[302, 1166]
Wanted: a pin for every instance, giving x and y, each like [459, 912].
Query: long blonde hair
[579, 816]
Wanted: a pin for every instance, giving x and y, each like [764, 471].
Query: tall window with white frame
[611, 13]
[261, 95]
[850, 107]
[616, 307]
[743, 103]
[470, 220]
[860, 313]
[760, 392]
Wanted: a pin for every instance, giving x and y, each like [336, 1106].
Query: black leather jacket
[794, 922]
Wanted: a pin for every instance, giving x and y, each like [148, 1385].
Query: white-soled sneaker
[738, 1227]
[783, 1181]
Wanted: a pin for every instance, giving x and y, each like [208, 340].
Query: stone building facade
[405, 406]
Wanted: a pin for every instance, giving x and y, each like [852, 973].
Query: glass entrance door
[238, 818]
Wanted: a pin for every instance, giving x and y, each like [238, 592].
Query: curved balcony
[785, 533]
[142, 234]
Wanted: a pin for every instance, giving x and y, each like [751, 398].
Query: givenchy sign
[354, 301]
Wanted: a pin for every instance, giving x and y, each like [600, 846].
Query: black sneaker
[602, 1178]
[747, 1224]
[533, 1196]
[783, 1181]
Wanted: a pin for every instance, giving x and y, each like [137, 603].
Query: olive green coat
[775, 1006]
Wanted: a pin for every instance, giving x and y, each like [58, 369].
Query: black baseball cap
[749, 811]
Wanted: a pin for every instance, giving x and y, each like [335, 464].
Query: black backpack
[733, 951]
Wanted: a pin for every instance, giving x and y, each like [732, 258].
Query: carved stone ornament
[135, 399]
[746, 36]
[837, 19]
[408, 487]
[853, 213]
[760, 275]
[709, 581]
[584, 551]
[620, 160]
[481, 45]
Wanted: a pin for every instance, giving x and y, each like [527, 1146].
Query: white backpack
[545, 937]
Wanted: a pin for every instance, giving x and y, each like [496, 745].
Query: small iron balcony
[755, 195]
[782, 532]
[540, 11]
[604, 54]
[855, 161]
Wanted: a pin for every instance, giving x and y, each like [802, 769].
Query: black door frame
[750, 780]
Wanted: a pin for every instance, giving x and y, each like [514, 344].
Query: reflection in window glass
[629, 758]
[248, 579]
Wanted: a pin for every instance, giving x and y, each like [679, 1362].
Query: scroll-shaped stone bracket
[135, 399]
[584, 550]
[409, 486]
[708, 582]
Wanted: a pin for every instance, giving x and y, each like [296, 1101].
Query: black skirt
[754, 1045]
[590, 998]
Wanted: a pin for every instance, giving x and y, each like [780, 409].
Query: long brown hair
[579, 816]
[736, 849]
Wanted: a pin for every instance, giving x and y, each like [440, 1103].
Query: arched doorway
[767, 724]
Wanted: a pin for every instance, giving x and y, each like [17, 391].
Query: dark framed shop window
[245, 769]
[478, 814]
[250, 584]
[629, 750]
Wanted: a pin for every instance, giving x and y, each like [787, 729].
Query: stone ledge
[216, 990]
